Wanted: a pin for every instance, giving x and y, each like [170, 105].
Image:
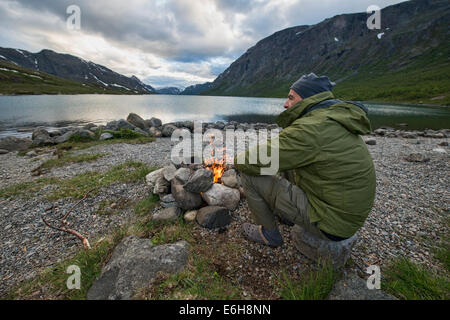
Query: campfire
[217, 166]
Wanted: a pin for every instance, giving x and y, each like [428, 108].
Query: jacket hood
[350, 115]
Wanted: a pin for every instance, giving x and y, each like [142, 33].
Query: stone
[200, 181]
[153, 176]
[380, 132]
[31, 154]
[408, 135]
[185, 199]
[316, 248]
[371, 142]
[85, 134]
[134, 264]
[112, 125]
[65, 137]
[41, 138]
[3, 151]
[417, 157]
[140, 131]
[229, 179]
[154, 122]
[167, 214]
[89, 126]
[168, 201]
[439, 150]
[168, 129]
[352, 287]
[188, 125]
[155, 132]
[222, 196]
[169, 172]
[183, 175]
[219, 125]
[55, 134]
[443, 144]
[106, 136]
[213, 217]
[123, 124]
[162, 186]
[15, 143]
[38, 132]
[137, 121]
[190, 215]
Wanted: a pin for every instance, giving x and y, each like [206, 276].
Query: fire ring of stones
[204, 193]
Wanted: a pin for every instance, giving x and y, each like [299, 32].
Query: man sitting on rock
[331, 186]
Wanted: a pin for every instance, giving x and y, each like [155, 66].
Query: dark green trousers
[269, 196]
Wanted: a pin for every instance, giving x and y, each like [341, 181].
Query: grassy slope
[425, 81]
[27, 81]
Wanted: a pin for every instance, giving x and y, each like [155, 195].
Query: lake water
[20, 112]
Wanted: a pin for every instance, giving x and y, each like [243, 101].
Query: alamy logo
[74, 280]
[374, 280]
[74, 20]
[374, 21]
[221, 149]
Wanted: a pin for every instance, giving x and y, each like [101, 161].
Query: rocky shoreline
[407, 218]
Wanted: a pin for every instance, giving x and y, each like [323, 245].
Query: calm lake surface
[20, 112]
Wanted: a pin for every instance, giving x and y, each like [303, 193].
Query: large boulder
[200, 181]
[123, 124]
[112, 125]
[65, 137]
[154, 122]
[137, 121]
[213, 217]
[41, 138]
[185, 199]
[168, 129]
[14, 143]
[134, 264]
[167, 214]
[223, 196]
[352, 287]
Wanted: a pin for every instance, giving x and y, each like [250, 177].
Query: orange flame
[217, 166]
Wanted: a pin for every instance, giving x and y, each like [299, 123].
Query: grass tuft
[315, 285]
[410, 281]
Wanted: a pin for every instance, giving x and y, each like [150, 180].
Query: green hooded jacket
[330, 162]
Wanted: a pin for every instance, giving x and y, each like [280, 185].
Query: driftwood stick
[64, 223]
[71, 231]
[74, 206]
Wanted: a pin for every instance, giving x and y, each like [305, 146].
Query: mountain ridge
[74, 68]
[366, 64]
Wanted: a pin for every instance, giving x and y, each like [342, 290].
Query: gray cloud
[172, 36]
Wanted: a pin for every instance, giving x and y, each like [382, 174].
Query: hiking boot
[258, 234]
[317, 249]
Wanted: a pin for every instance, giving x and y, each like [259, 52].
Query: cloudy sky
[163, 42]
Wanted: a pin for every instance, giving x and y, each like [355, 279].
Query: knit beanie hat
[309, 85]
